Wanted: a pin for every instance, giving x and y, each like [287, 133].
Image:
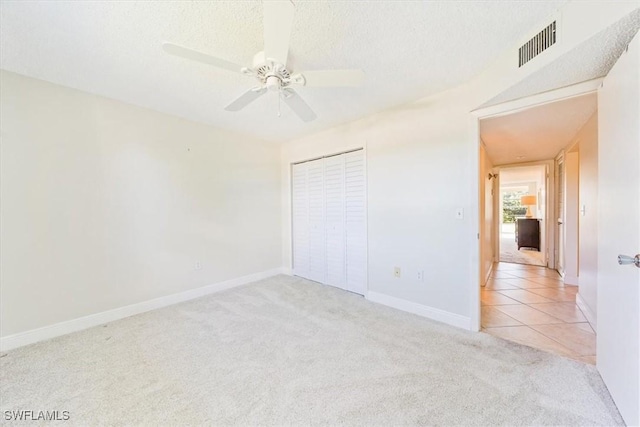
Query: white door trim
[550, 206]
[567, 92]
[560, 244]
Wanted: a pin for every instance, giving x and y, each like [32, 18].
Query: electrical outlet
[396, 272]
[421, 275]
[198, 265]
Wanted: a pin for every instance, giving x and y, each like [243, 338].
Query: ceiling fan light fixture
[273, 83]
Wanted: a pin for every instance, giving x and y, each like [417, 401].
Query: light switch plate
[459, 213]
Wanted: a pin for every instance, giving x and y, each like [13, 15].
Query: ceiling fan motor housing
[273, 83]
[271, 74]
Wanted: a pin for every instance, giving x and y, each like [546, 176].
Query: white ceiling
[407, 49]
[538, 133]
[592, 59]
[521, 175]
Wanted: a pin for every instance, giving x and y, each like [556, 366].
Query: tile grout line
[558, 287]
[528, 344]
[553, 339]
[547, 314]
[515, 320]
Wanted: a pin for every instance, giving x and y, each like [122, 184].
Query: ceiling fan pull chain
[279, 97]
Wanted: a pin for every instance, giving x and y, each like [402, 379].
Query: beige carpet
[289, 351]
[509, 252]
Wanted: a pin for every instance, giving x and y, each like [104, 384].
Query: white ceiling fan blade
[185, 52]
[297, 104]
[330, 78]
[278, 20]
[245, 99]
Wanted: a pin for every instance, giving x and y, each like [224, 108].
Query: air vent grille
[538, 44]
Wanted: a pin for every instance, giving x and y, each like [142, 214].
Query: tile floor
[532, 306]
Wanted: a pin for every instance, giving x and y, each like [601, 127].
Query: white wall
[105, 204]
[419, 170]
[588, 217]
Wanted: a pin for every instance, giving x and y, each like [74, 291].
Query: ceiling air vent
[538, 44]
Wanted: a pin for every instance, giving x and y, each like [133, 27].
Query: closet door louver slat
[317, 234]
[355, 219]
[335, 221]
[300, 220]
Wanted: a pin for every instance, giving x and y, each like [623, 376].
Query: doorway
[524, 298]
[522, 215]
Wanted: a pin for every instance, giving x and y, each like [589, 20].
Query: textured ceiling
[407, 49]
[591, 59]
[538, 133]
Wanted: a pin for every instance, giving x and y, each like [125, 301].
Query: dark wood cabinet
[528, 233]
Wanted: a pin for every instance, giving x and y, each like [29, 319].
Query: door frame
[550, 200]
[475, 141]
[560, 228]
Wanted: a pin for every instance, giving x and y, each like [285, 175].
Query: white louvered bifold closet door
[334, 189]
[329, 221]
[317, 233]
[356, 222]
[300, 220]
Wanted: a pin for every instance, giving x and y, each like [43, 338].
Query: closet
[329, 221]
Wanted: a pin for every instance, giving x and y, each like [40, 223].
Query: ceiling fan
[269, 67]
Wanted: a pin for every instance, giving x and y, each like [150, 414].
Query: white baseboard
[47, 332]
[421, 310]
[587, 311]
[287, 270]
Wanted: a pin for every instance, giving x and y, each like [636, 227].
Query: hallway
[509, 252]
[532, 306]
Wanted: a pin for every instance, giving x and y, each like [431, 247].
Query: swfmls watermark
[31, 415]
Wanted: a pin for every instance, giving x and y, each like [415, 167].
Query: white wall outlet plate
[396, 271]
[421, 275]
